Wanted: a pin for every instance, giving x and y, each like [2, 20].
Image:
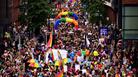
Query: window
[130, 22]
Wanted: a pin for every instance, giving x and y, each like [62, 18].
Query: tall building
[126, 12]
[14, 11]
[4, 16]
[130, 19]
[9, 13]
[111, 12]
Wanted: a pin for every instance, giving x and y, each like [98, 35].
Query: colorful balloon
[68, 13]
[95, 53]
[66, 20]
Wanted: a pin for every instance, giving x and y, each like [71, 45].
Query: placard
[104, 31]
[65, 68]
[77, 67]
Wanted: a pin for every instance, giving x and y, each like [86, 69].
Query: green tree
[35, 13]
[95, 9]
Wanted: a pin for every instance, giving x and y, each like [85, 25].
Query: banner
[55, 53]
[104, 31]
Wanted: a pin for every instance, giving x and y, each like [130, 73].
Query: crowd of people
[113, 59]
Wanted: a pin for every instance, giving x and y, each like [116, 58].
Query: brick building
[130, 2]
[14, 11]
[9, 13]
[124, 13]
[4, 16]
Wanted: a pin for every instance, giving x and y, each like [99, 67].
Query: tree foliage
[96, 10]
[35, 12]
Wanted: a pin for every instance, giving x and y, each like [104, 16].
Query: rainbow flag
[72, 1]
[59, 55]
[49, 44]
[60, 74]
[51, 56]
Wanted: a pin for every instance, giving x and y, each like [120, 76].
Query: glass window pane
[131, 10]
[130, 22]
[131, 32]
[130, 35]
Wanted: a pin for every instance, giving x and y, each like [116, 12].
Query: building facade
[4, 16]
[124, 13]
[14, 11]
[113, 11]
[9, 13]
[130, 19]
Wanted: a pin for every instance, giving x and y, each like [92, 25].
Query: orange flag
[49, 44]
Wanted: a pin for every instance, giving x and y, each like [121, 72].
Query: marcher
[100, 55]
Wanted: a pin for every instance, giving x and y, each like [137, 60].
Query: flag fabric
[49, 44]
[117, 75]
[57, 63]
[34, 63]
[75, 58]
[51, 56]
[21, 75]
[87, 42]
[60, 74]
[59, 55]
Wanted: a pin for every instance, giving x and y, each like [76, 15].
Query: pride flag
[51, 56]
[59, 55]
[60, 74]
[49, 44]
